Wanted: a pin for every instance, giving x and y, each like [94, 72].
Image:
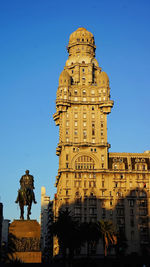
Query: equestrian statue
[26, 194]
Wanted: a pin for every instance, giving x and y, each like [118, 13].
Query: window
[84, 162]
[67, 165]
[67, 132]
[131, 202]
[120, 212]
[75, 123]
[84, 123]
[83, 70]
[92, 108]
[84, 92]
[102, 157]
[67, 123]
[75, 132]
[93, 115]
[75, 92]
[66, 156]
[76, 115]
[84, 115]
[131, 212]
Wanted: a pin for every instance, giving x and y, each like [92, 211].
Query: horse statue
[26, 194]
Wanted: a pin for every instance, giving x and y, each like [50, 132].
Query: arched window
[84, 162]
[141, 166]
[118, 165]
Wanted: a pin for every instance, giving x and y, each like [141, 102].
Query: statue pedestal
[26, 237]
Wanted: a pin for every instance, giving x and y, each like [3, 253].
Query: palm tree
[108, 234]
[67, 231]
[89, 234]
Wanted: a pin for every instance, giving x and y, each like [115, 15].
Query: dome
[64, 78]
[103, 78]
[81, 35]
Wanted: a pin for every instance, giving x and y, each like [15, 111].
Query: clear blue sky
[33, 39]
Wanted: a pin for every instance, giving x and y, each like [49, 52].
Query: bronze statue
[25, 194]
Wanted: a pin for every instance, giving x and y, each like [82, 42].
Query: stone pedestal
[26, 237]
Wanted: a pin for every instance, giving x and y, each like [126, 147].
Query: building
[93, 183]
[46, 220]
[45, 200]
[5, 231]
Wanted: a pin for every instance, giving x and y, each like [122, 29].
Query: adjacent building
[5, 231]
[92, 182]
[45, 200]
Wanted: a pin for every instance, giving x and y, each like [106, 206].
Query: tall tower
[82, 104]
[91, 182]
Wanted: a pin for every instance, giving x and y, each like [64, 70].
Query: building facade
[44, 216]
[93, 183]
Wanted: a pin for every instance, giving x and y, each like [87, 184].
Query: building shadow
[129, 214]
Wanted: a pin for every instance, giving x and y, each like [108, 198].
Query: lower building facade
[120, 194]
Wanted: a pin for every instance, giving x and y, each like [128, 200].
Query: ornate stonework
[26, 240]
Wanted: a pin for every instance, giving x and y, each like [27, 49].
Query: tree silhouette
[90, 234]
[108, 233]
[68, 233]
[7, 253]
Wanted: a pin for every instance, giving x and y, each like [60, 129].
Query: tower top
[81, 44]
[81, 36]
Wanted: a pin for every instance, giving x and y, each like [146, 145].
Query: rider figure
[27, 182]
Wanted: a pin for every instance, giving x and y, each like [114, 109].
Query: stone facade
[93, 183]
[25, 236]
